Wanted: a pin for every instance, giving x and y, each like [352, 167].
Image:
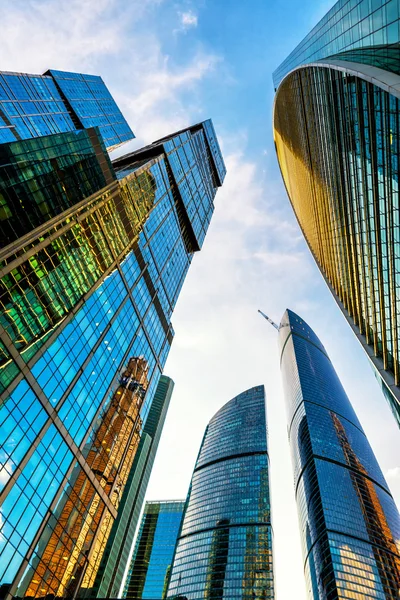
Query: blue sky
[169, 64]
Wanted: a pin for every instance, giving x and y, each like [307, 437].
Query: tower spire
[269, 320]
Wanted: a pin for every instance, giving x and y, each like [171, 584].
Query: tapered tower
[349, 523]
[225, 546]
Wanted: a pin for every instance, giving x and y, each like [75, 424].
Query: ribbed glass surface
[154, 550]
[338, 138]
[86, 300]
[366, 31]
[225, 547]
[349, 523]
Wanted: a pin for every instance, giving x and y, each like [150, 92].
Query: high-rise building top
[154, 550]
[337, 132]
[225, 546]
[56, 102]
[89, 279]
[352, 30]
[349, 523]
[194, 161]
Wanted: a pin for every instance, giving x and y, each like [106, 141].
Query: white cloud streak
[188, 19]
[110, 38]
[393, 473]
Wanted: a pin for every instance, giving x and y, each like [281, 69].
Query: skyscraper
[154, 550]
[115, 559]
[225, 546]
[38, 105]
[337, 132]
[90, 275]
[349, 523]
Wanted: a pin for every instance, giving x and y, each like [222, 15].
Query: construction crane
[269, 320]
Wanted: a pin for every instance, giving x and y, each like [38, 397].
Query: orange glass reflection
[71, 548]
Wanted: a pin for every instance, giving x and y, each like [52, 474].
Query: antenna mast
[269, 320]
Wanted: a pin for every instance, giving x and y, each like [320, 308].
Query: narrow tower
[350, 526]
[225, 545]
[154, 550]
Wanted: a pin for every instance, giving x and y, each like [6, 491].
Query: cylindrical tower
[225, 547]
[337, 138]
[350, 526]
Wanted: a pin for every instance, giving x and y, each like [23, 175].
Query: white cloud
[5, 469]
[393, 473]
[116, 40]
[187, 20]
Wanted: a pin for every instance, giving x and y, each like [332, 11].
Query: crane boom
[269, 320]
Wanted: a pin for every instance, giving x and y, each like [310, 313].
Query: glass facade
[86, 299]
[93, 106]
[225, 546]
[112, 568]
[337, 137]
[38, 105]
[366, 31]
[349, 523]
[42, 177]
[154, 550]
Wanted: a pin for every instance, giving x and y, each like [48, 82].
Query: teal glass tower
[37, 105]
[224, 549]
[90, 275]
[337, 132]
[349, 523]
[112, 568]
[154, 550]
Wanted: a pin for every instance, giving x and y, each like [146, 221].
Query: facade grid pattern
[154, 550]
[84, 335]
[366, 31]
[349, 523]
[32, 106]
[224, 548]
[337, 137]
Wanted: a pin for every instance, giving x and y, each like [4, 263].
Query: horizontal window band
[227, 526]
[230, 457]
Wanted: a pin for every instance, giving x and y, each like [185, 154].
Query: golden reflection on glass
[70, 551]
[66, 262]
[383, 545]
[329, 131]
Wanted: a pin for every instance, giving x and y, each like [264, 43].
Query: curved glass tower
[337, 137]
[350, 526]
[225, 546]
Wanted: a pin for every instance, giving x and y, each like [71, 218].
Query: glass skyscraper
[337, 137]
[95, 254]
[115, 559]
[154, 550]
[349, 523]
[224, 549]
[37, 105]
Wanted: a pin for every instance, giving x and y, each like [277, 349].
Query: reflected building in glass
[94, 259]
[115, 558]
[349, 523]
[154, 550]
[225, 546]
[337, 137]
